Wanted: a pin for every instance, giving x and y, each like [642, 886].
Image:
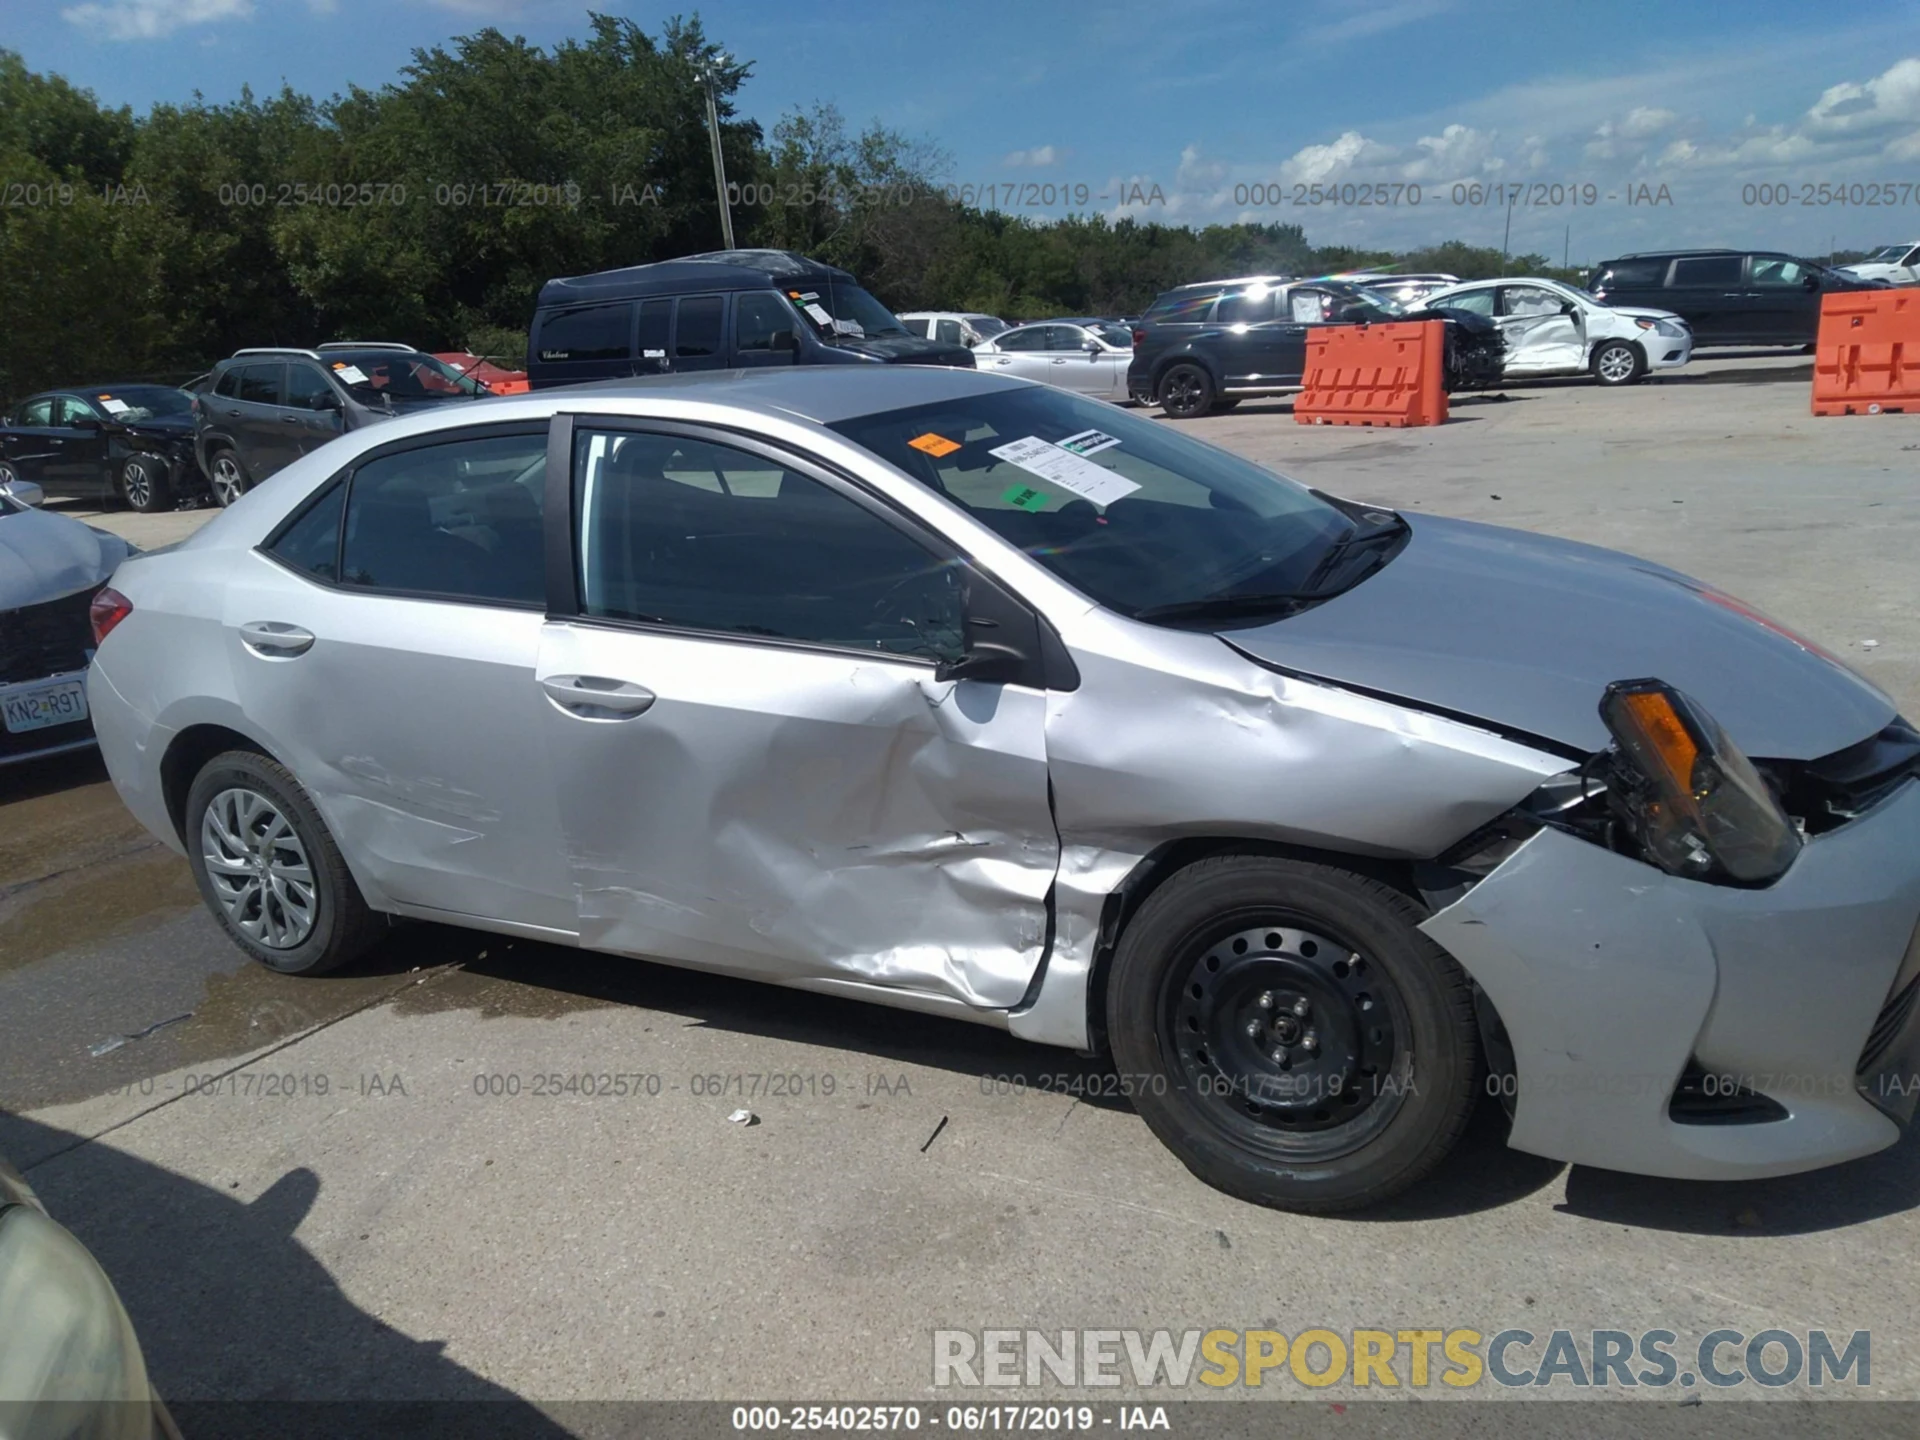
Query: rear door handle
[289, 419]
[275, 639]
[596, 697]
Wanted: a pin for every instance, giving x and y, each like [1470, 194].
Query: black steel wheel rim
[1290, 1041]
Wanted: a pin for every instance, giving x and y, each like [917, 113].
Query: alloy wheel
[229, 480]
[258, 868]
[136, 484]
[1291, 1041]
[1615, 364]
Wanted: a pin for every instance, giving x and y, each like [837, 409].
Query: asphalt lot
[302, 1190]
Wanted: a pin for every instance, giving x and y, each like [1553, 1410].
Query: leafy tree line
[431, 209]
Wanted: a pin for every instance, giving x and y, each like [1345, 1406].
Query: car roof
[824, 394]
[716, 270]
[1670, 254]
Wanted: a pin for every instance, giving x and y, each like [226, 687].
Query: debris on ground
[744, 1117]
[114, 1042]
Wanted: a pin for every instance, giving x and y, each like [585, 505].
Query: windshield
[1886, 254]
[400, 375]
[1130, 513]
[142, 402]
[988, 326]
[1116, 335]
[844, 311]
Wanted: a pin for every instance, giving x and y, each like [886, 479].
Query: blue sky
[1221, 104]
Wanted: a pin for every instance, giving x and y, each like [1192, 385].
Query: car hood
[1878, 270]
[162, 427]
[906, 350]
[44, 556]
[1525, 632]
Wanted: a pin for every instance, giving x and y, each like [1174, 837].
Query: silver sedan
[1089, 357]
[972, 696]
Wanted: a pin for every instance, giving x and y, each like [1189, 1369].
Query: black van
[726, 310]
[1728, 297]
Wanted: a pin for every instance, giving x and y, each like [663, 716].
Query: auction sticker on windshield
[934, 445]
[114, 406]
[352, 374]
[1066, 470]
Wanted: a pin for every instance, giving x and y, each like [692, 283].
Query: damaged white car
[973, 696]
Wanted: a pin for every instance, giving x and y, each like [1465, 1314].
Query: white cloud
[1849, 108]
[1313, 163]
[152, 19]
[1198, 173]
[1376, 21]
[1645, 121]
[1038, 157]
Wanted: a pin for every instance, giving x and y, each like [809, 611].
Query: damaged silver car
[973, 696]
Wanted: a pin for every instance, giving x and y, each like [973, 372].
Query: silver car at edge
[973, 696]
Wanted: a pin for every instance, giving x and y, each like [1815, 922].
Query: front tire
[269, 870]
[1186, 392]
[1618, 362]
[144, 485]
[1290, 1034]
[227, 477]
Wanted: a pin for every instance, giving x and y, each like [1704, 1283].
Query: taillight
[108, 609]
[1139, 335]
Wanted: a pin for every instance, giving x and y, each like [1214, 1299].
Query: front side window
[260, 384]
[458, 520]
[695, 535]
[592, 332]
[1309, 307]
[1778, 272]
[949, 331]
[1529, 300]
[1127, 511]
[72, 411]
[759, 321]
[1065, 337]
[308, 389]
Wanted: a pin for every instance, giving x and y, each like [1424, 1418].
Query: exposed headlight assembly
[1694, 803]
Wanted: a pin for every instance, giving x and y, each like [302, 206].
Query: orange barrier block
[1375, 375]
[1867, 359]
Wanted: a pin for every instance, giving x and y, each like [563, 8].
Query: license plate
[58, 704]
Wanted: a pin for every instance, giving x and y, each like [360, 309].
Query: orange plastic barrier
[1867, 359]
[1375, 375]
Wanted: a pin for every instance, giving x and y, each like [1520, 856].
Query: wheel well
[1162, 864]
[187, 754]
[1183, 357]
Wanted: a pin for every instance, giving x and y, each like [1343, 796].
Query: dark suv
[731, 309]
[1206, 347]
[263, 409]
[1728, 297]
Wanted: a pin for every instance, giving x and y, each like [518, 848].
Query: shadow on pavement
[1866, 1189]
[238, 1321]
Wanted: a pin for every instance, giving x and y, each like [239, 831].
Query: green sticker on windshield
[1025, 497]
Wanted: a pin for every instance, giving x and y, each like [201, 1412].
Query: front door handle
[275, 639]
[596, 697]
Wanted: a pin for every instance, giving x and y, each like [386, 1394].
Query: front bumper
[1666, 353]
[1613, 977]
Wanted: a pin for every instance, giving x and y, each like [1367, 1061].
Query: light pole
[705, 74]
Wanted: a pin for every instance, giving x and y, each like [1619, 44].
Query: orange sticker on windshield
[934, 445]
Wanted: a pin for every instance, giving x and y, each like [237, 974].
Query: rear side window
[1246, 307]
[1181, 308]
[311, 544]
[459, 520]
[1475, 302]
[1630, 274]
[260, 384]
[1707, 270]
[656, 320]
[686, 533]
[949, 331]
[593, 332]
[34, 412]
[1034, 337]
[697, 331]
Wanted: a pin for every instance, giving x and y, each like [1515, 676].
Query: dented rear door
[757, 770]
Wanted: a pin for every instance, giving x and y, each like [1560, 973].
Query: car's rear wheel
[1618, 362]
[269, 870]
[7, 475]
[1186, 392]
[228, 477]
[144, 484]
[1289, 1033]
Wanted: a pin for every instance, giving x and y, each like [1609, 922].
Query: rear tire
[227, 477]
[1618, 362]
[269, 870]
[1186, 392]
[1288, 1033]
[144, 484]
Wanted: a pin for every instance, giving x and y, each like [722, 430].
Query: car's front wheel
[228, 477]
[1288, 1032]
[269, 870]
[1618, 362]
[1186, 392]
[144, 484]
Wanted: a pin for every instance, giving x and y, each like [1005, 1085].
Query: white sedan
[1089, 357]
[1556, 329]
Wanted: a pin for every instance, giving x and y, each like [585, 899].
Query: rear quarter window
[1183, 308]
[592, 332]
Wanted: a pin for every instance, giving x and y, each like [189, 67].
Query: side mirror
[1812, 282]
[786, 340]
[1092, 347]
[86, 422]
[986, 661]
[1567, 307]
[26, 492]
